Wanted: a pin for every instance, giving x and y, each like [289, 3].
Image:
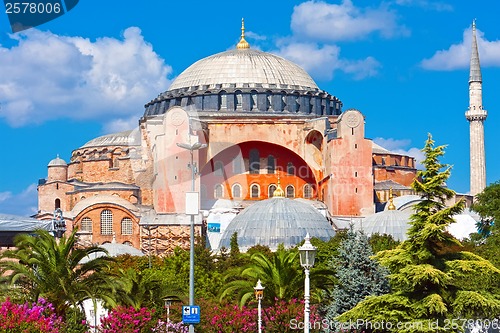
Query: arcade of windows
[255, 191]
[106, 224]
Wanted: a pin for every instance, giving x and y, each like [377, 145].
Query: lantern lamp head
[307, 253]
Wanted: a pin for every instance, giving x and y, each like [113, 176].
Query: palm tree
[145, 289]
[42, 266]
[281, 275]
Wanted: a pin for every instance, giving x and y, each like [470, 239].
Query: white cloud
[322, 61]
[457, 56]
[121, 124]
[361, 69]
[254, 36]
[426, 4]
[319, 62]
[47, 76]
[399, 146]
[318, 20]
[24, 203]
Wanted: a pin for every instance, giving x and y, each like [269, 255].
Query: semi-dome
[125, 138]
[276, 221]
[242, 69]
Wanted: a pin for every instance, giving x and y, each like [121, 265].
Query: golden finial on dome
[243, 44]
[391, 202]
[279, 193]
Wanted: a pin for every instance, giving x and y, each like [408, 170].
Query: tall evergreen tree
[358, 275]
[435, 285]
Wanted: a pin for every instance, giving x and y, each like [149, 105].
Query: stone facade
[252, 136]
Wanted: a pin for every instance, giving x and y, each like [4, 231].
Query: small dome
[57, 162]
[390, 222]
[244, 68]
[277, 221]
[114, 250]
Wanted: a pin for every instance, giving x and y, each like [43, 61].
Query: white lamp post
[307, 255]
[191, 148]
[259, 293]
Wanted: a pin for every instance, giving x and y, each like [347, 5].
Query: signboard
[190, 314]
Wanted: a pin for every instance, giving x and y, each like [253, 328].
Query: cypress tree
[436, 287]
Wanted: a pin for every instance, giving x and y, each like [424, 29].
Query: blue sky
[403, 63]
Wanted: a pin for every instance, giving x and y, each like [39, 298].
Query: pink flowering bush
[127, 320]
[280, 318]
[29, 318]
[163, 327]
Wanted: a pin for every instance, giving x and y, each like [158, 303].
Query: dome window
[290, 191]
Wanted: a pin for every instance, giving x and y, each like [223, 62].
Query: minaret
[476, 116]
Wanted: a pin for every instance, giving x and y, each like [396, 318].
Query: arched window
[271, 164]
[236, 191]
[254, 191]
[290, 191]
[127, 226]
[253, 100]
[203, 192]
[57, 204]
[86, 225]
[270, 190]
[307, 191]
[254, 161]
[237, 169]
[218, 191]
[290, 168]
[238, 99]
[223, 100]
[218, 168]
[106, 222]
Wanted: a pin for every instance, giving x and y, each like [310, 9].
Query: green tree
[281, 275]
[42, 266]
[487, 205]
[383, 242]
[433, 282]
[358, 275]
[145, 288]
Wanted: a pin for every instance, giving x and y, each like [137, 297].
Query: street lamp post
[191, 148]
[259, 293]
[307, 255]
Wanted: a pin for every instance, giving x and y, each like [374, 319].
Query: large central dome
[244, 68]
[245, 81]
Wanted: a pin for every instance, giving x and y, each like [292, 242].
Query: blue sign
[190, 314]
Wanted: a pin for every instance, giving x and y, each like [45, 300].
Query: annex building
[252, 123]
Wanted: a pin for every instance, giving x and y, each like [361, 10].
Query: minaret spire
[476, 116]
[475, 67]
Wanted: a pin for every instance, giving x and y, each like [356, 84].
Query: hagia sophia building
[271, 155]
